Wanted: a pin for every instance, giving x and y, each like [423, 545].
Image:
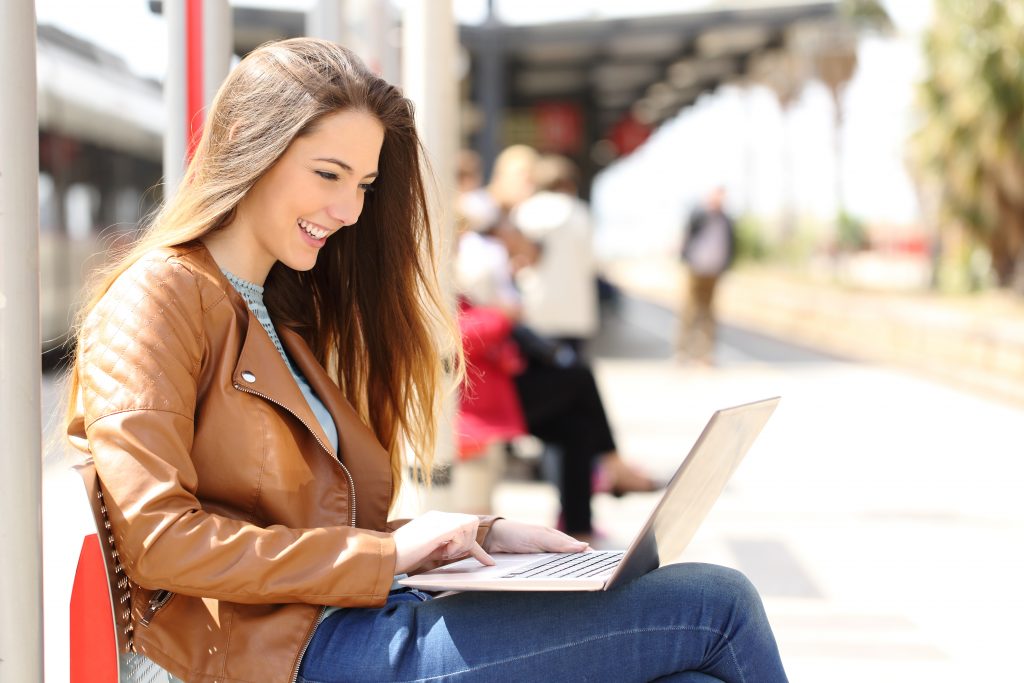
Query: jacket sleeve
[139, 360]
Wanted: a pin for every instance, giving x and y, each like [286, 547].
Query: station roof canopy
[641, 69]
[649, 66]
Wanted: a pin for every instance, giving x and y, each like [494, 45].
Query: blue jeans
[683, 622]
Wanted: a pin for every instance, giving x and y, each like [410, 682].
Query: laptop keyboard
[570, 565]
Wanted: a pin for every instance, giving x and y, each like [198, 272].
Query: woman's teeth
[312, 230]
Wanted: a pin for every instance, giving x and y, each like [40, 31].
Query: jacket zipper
[352, 488]
[156, 603]
[305, 645]
[351, 481]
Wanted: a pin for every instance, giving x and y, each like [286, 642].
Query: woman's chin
[301, 263]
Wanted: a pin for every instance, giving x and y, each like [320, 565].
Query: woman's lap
[678, 618]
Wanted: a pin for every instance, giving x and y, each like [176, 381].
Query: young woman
[245, 381]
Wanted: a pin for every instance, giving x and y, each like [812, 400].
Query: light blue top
[253, 295]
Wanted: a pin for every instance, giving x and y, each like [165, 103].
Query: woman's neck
[233, 250]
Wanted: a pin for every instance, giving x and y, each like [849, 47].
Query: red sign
[628, 134]
[559, 127]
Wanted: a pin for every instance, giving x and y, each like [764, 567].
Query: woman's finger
[561, 542]
[481, 555]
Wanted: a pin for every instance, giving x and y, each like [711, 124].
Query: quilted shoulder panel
[141, 346]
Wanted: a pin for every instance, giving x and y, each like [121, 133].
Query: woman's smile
[315, 235]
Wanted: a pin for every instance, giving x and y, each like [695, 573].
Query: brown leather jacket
[222, 489]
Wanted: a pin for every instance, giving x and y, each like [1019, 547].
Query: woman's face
[316, 188]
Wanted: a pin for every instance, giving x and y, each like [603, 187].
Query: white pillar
[370, 27]
[218, 46]
[381, 28]
[215, 42]
[429, 79]
[326, 19]
[21, 570]
[175, 99]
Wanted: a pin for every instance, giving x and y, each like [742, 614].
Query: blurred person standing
[559, 290]
[709, 246]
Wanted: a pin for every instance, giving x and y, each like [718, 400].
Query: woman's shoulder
[182, 274]
[143, 341]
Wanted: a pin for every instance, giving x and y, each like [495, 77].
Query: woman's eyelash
[328, 175]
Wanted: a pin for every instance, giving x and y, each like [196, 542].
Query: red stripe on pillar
[193, 72]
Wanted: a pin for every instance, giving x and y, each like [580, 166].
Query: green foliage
[866, 14]
[963, 270]
[750, 240]
[851, 235]
[971, 141]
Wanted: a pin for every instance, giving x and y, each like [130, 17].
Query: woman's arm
[139, 364]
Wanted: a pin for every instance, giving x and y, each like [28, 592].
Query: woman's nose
[346, 209]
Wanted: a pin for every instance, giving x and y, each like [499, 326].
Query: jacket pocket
[157, 601]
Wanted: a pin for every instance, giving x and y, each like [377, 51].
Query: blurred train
[100, 148]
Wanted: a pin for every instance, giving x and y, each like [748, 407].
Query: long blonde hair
[371, 308]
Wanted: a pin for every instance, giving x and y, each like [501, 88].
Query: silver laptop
[693, 489]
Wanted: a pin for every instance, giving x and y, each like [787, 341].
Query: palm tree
[971, 141]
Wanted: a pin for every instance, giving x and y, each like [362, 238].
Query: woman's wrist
[487, 543]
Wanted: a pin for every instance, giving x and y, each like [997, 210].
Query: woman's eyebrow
[344, 166]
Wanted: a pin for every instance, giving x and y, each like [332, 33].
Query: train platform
[878, 513]
[975, 341]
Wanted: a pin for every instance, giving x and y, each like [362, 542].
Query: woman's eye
[366, 187]
[327, 175]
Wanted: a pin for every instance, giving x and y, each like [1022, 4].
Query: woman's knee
[712, 583]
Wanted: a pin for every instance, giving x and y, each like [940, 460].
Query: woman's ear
[233, 130]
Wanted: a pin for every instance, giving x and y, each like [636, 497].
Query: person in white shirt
[559, 290]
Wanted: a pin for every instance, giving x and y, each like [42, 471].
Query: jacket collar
[260, 368]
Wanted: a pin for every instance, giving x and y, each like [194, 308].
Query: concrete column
[382, 26]
[218, 41]
[489, 88]
[429, 79]
[326, 19]
[429, 72]
[21, 533]
[175, 99]
[370, 26]
[489, 84]
[199, 45]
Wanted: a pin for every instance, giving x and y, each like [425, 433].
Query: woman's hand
[507, 536]
[436, 537]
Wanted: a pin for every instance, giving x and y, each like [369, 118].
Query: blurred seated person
[560, 401]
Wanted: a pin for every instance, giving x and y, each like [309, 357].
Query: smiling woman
[244, 381]
[316, 188]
